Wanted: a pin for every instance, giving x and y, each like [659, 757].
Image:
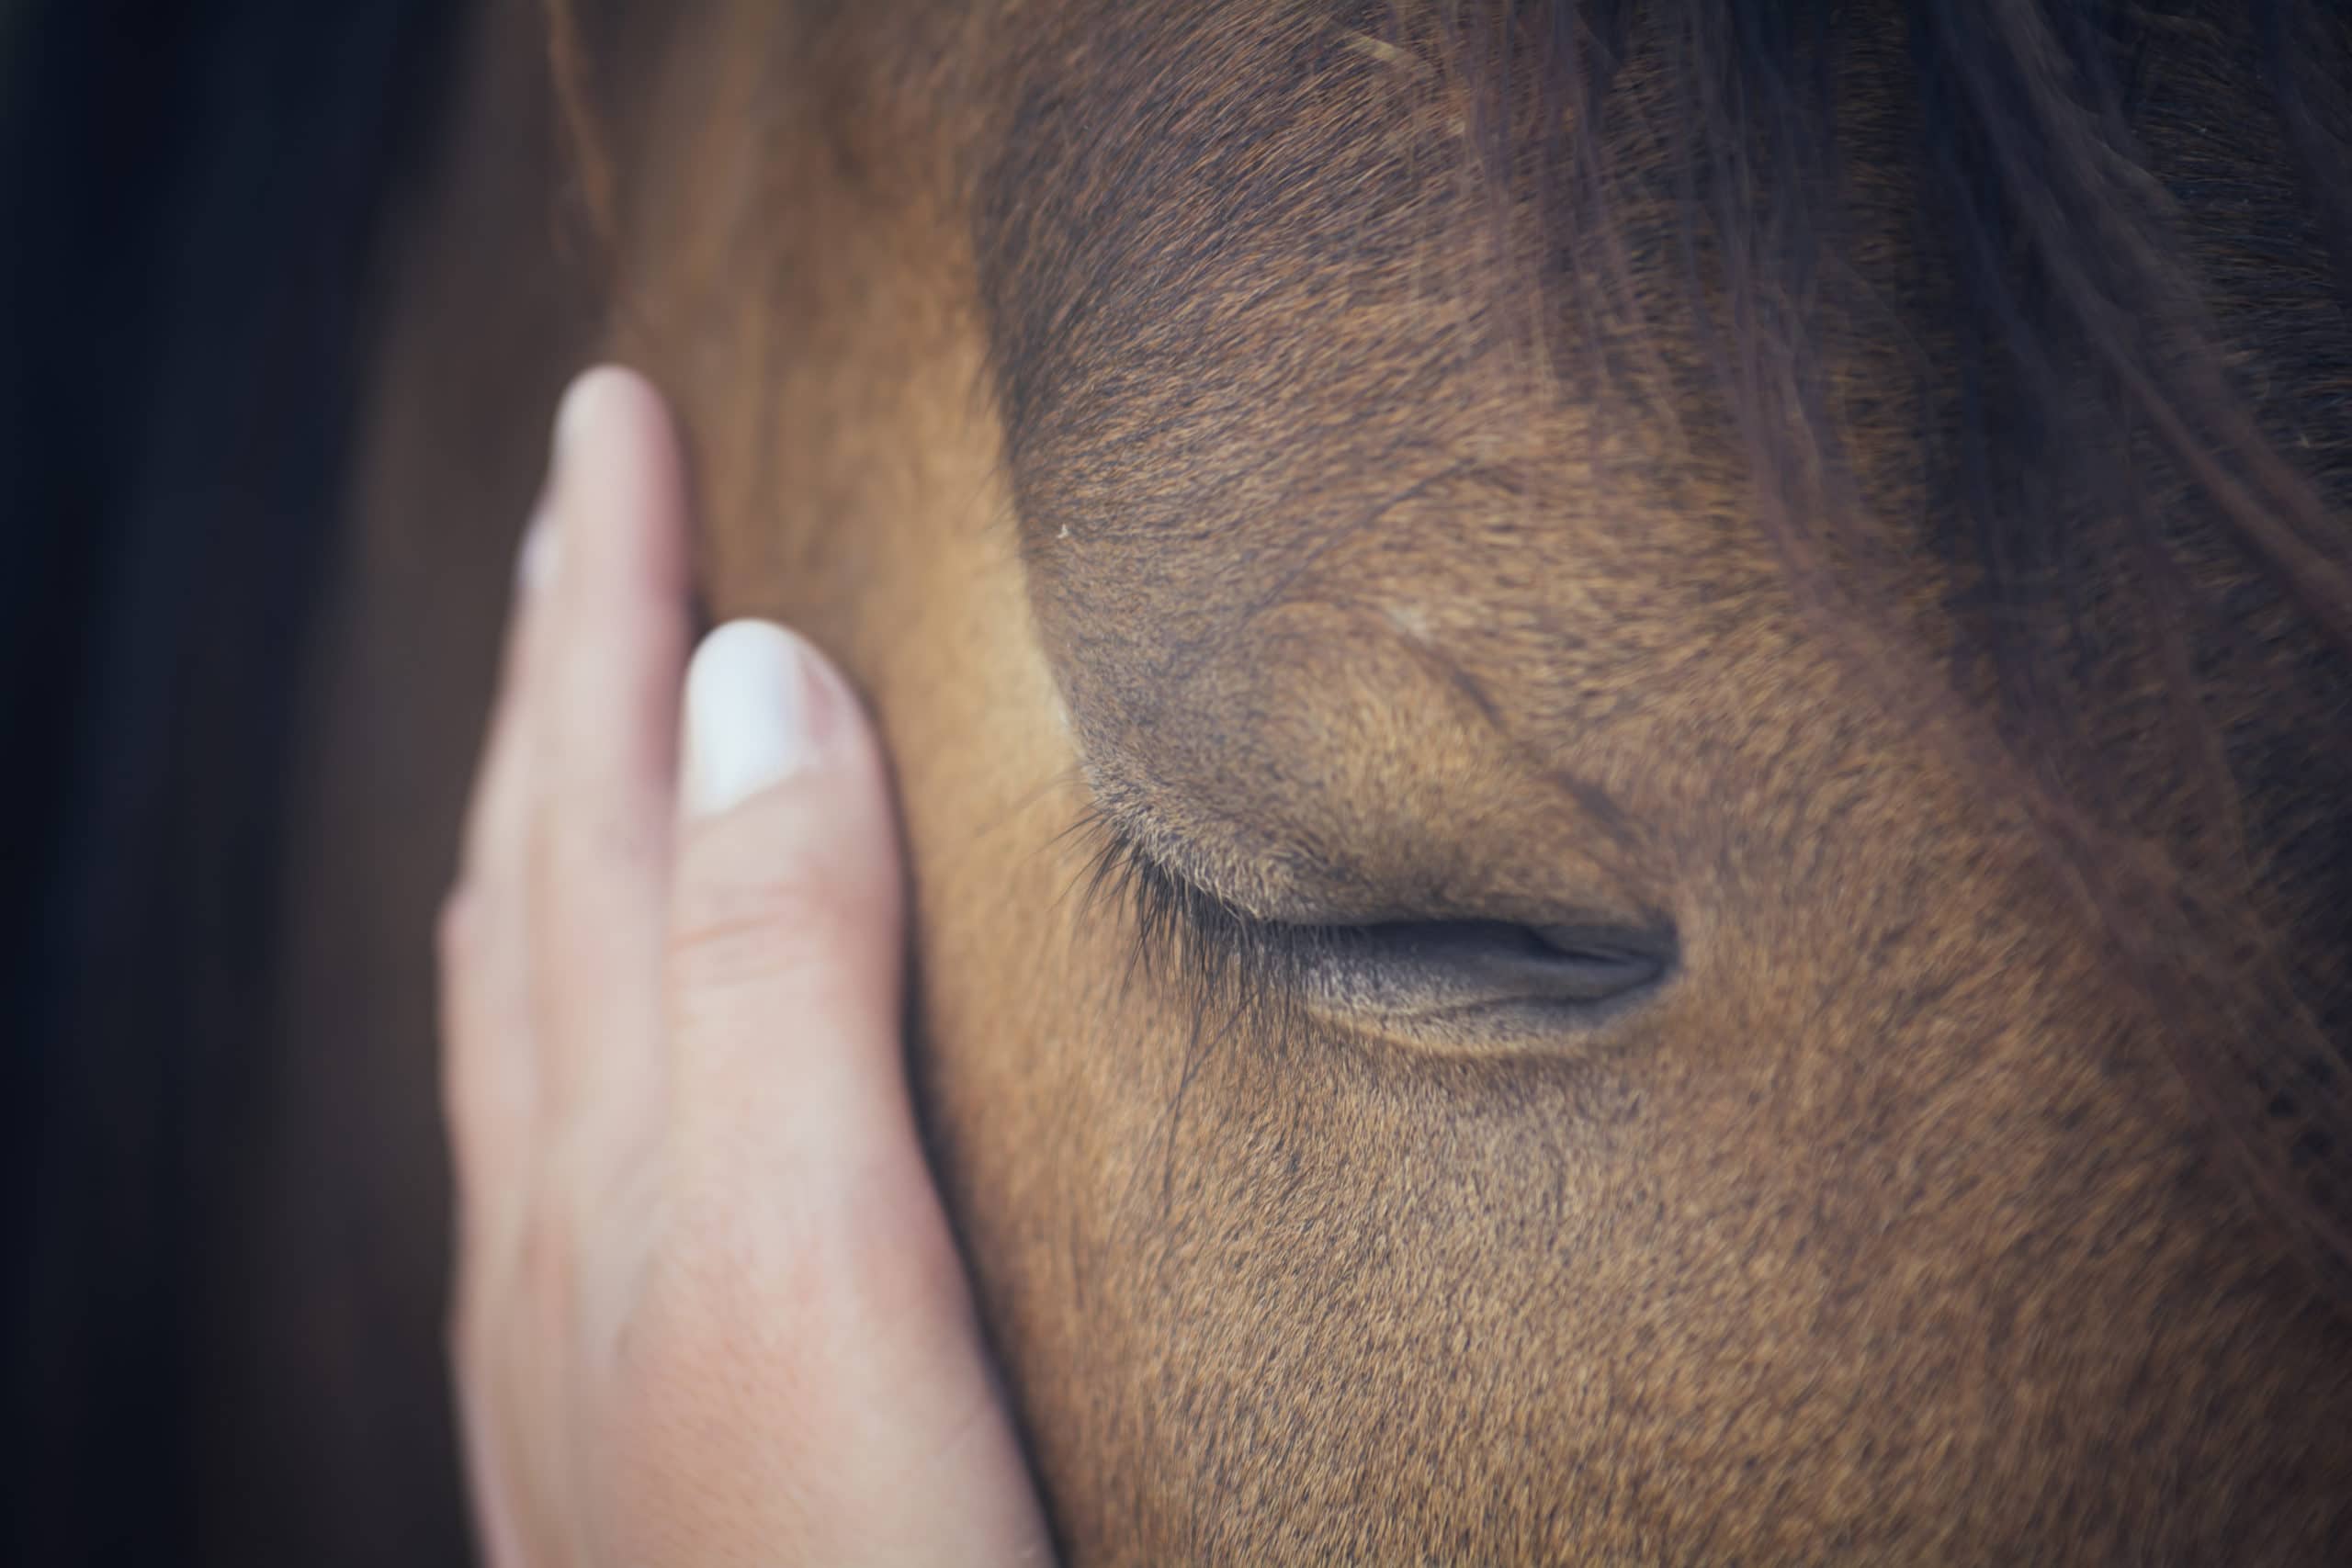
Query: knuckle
[586, 838]
[729, 939]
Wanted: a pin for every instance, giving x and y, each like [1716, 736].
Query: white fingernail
[754, 714]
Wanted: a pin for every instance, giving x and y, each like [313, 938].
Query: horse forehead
[1252, 348]
[1185, 254]
[1199, 551]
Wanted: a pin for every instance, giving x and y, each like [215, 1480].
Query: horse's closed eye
[1401, 971]
[1460, 983]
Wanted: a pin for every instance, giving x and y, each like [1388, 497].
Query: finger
[785, 934]
[494, 845]
[787, 1081]
[483, 936]
[605, 726]
[487, 1035]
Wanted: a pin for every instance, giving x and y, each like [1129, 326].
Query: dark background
[191, 199]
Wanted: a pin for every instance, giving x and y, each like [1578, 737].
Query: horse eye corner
[1653, 947]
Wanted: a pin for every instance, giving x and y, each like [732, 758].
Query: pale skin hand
[707, 1308]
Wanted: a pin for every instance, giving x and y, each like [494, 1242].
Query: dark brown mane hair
[2138, 558]
[2141, 537]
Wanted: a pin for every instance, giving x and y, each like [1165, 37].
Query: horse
[1622, 725]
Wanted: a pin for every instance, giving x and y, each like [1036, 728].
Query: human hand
[707, 1308]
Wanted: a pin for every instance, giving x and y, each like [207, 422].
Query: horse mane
[572, 78]
[2128, 522]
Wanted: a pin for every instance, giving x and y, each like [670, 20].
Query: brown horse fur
[1844, 491]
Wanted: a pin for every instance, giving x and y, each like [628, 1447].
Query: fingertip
[608, 578]
[789, 872]
[600, 394]
[615, 473]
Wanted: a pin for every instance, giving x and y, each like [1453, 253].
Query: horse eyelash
[1214, 957]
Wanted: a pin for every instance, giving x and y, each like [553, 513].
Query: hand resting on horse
[707, 1309]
